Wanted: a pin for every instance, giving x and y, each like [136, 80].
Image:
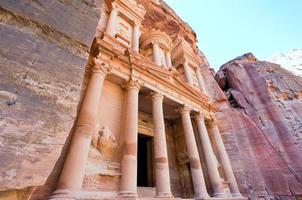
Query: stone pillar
[111, 24]
[128, 187]
[168, 59]
[187, 72]
[156, 55]
[210, 159]
[135, 37]
[163, 187]
[195, 165]
[72, 174]
[200, 81]
[225, 161]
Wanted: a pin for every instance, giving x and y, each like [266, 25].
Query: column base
[164, 195]
[64, 195]
[237, 195]
[202, 196]
[127, 194]
[221, 195]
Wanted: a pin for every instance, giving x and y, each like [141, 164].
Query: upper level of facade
[155, 36]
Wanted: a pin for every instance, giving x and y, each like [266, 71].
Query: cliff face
[262, 126]
[44, 47]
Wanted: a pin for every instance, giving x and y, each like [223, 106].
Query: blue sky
[229, 28]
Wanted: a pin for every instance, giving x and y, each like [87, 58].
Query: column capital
[99, 66]
[113, 6]
[199, 116]
[184, 109]
[155, 42]
[212, 122]
[197, 69]
[157, 96]
[185, 61]
[136, 24]
[132, 85]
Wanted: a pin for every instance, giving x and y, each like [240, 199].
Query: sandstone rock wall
[261, 127]
[44, 48]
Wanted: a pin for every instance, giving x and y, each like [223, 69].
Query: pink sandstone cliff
[44, 47]
[262, 126]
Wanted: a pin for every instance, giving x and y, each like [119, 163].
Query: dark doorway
[144, 161]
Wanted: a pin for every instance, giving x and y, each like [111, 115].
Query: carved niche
[129, 14]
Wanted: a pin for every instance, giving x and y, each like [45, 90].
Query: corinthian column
[163, 188]
[111, 24]
[199, 185]
[135, 37]
[200, 80]
[168, 59]
[209, 157]
[156, 56]
[225, 161]
[187, 72]
[129, 159]
[71, 177]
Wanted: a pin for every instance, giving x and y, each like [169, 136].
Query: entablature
[129, 64]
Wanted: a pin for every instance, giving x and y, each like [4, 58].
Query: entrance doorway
[145, 161]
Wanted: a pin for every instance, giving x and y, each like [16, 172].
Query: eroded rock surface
[262, 127]
[44, 48]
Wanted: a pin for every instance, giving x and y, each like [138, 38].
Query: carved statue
[104, 141]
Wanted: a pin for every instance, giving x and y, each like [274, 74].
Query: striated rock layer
[262, 126]
[43, 50]
[44, 47]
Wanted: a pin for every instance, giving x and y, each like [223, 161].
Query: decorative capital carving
[136, 24]
[212, 121]
[199, 116]
[157, 96]
[101, 67]
[132, 85]
[155, 42]
[185, 62]
[184, 109]
[113, 6]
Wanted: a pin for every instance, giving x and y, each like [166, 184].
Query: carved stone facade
[145, 127]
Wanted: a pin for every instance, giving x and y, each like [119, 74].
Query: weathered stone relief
[104, 141]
